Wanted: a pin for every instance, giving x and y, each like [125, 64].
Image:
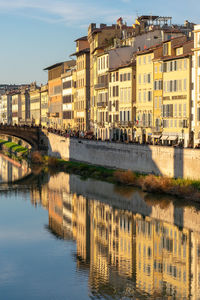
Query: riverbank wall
[159, 160]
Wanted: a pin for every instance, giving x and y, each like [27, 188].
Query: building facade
[196, 86]
[44, 105]
[16, 108]
[55, 92]
[82, 99]
[35, 104]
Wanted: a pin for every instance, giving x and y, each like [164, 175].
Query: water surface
[66, 238]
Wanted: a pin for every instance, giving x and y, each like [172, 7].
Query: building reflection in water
[130, 244]
[11, 170]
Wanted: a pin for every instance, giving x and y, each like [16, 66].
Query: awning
[172, 138]
[156, 136]
[164, 137]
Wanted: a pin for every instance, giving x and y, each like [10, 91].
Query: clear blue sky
[38, 33]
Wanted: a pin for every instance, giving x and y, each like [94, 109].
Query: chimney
[102, 25]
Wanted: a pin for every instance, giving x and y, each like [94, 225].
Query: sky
[38, 33]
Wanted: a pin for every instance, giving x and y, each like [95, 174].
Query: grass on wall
[13, 147]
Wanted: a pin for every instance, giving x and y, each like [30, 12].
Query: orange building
[55, 92]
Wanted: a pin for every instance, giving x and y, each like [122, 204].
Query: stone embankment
[158, 160]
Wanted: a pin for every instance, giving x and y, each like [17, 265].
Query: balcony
[102, 82]
[102, 85]
[102, 104]
[126, 123]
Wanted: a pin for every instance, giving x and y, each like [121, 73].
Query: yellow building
[144, 254]
[163, 258]
[35, 104]
[176, 113]
[157, 95]
[144, 94]
[44, 105]
[122, 101]
[82, 99]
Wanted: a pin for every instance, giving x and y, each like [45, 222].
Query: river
[62, 237]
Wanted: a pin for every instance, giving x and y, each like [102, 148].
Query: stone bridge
[32, 135]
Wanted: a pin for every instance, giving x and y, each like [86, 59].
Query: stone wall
[160, 160]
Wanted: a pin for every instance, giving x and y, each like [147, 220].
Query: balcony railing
[102, 104]
[102, 85]
[126, 123]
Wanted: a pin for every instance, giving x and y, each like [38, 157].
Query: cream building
[82, 99]
[196, 86]
[68, 96]
[16, 108]
[35, 104]
[44, 105]
[144, 94]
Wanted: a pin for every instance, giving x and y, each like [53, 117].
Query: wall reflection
[131, 244]
[11, 170]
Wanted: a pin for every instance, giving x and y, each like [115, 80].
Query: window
[144, 80]
[165, 49]
[175, 85]
[184, 109]
[149, 95]
[139, 78]
[185, 84]
[113, 92]
[160, 102]
[180, 85]
[156, 100]
[180, 110]
[149, 78]
[144, 60]
[175, 65]
[144, 96]
[175, 111]
[164, 86]
[121, 116]
[129, 76]
[139, 96]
